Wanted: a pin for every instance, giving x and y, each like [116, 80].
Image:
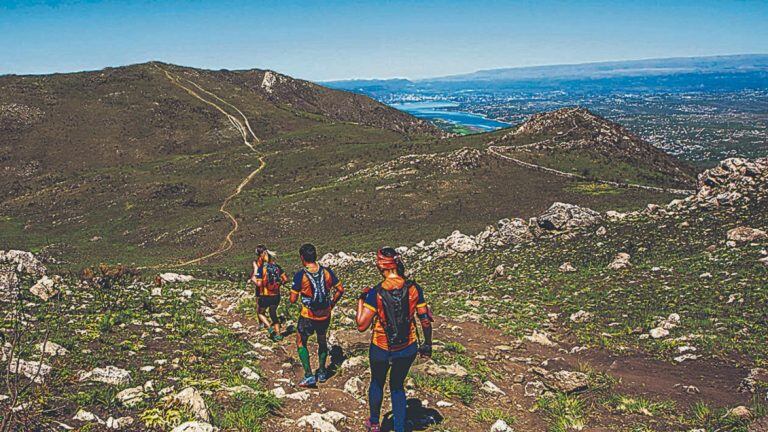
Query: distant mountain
[631, 68]
[733, 72]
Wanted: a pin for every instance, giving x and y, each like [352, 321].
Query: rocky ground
[574, 320]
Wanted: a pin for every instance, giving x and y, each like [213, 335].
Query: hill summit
[564, 135]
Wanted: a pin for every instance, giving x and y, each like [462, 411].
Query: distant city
[701, 110]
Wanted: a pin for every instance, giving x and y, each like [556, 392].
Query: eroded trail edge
[241, 124]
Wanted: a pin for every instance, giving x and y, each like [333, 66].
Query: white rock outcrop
[111, 375]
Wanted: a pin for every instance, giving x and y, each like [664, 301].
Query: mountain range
[724, 72]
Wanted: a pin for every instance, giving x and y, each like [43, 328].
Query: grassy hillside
[508, 316]
[124, 165]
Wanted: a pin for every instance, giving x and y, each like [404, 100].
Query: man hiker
[268, 278]
[391, 306]
[319, 290]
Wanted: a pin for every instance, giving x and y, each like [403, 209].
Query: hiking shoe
[277, 337]
[322, 375]
[372, 427]
[308, 382]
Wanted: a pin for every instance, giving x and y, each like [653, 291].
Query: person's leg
[261, 313]
[400, 368]
[275, 320]
[377, 358]
[322, 343]
[303, 332]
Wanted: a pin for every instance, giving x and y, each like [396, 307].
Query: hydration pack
[273, 277]
[321, 298]
[398, 320]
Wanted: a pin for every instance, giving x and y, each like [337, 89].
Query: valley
[581, 277]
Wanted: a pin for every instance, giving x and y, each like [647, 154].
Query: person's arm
[426, 320]
[254, 276]
[366, 311]
[296, 288]
[336, 284]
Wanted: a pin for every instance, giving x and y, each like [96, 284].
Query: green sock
[323, 356]
[304, 357]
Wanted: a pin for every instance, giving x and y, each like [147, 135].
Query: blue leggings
[381, 362]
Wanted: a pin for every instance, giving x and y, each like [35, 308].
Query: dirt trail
[512, 365]
[244, 128]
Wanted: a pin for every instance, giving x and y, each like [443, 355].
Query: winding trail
[240, 122]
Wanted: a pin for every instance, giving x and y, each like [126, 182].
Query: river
[442, 110]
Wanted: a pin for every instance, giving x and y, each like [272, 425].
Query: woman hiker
[268, 278]
[390, 307]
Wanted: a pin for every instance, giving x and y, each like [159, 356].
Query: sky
[327, 40]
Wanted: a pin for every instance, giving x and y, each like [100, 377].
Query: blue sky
[326, 40]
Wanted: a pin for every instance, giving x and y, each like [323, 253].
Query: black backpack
[321, 298]
[396, 306]
[274, 274]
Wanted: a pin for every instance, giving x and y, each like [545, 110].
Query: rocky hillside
[580, 141]
[649, 320]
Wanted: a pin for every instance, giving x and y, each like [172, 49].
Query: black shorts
[307, 327]
[267, 301]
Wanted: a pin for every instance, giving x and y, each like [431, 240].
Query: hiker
[319, 290]
[390, 306]
[268, 278]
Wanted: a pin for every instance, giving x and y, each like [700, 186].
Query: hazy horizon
[361, 40]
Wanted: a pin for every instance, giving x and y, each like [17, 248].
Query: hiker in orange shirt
[319, 290]
[391, 307]
[268, 278]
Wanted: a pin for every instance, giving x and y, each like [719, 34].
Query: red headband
[385, 262]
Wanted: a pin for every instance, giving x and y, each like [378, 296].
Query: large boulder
[175, 278]
[620, 261]
[461, 243]
[746, 234]
[731, 169]
[568, 381]
[24, 262]
[513, 231]
[433, 369]
[195, 426]
[51, 349]
[109, 375]
[562, 216]
[194, 401]
[131, 397]
[33, 370]
[317, 422]
[16, 263]
[343, 259]
[45, 288]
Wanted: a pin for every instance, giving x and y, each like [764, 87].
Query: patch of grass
[165, 415]
[593, 189]
[720, 419]
[640, 405]
[598, 380]
[490, 415]
[249, 412]
[564, 412]
[449, 387]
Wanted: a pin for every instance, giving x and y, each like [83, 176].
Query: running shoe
[308, 382]
[322, 375]
[372, 427]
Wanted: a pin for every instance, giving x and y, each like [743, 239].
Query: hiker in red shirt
[319, 290]
[268, 278]
[391, 307]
